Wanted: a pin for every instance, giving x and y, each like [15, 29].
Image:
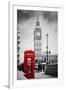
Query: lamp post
[47, 47]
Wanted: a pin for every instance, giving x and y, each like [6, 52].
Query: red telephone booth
[29, 64]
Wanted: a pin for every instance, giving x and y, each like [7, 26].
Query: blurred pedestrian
[43, 67]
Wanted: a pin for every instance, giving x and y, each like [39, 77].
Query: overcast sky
[26, 22]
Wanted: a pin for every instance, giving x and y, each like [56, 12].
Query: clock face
[38, 33]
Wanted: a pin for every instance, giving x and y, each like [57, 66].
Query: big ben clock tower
[38, 42]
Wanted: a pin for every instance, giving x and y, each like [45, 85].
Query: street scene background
[26, 23]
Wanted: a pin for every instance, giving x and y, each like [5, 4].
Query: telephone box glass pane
[29, 65]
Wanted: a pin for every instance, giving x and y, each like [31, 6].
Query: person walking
[43, 66]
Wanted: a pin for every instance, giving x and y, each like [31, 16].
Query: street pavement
[40, 75]
[20, 75]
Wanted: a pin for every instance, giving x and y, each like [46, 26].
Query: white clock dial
[38, 33]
